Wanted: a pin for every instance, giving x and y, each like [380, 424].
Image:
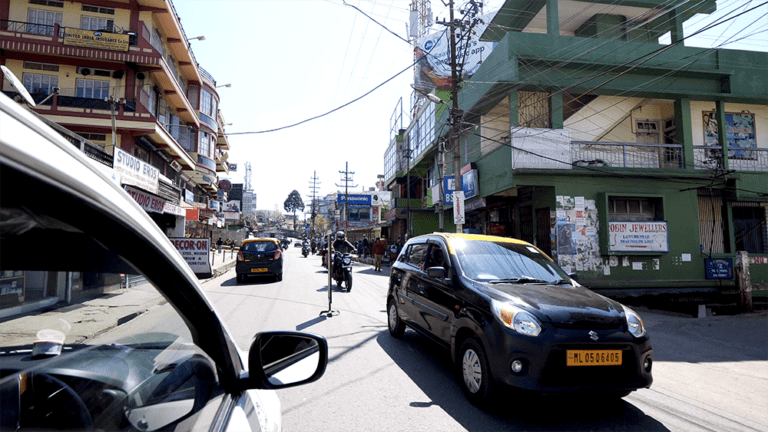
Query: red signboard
[193, 214]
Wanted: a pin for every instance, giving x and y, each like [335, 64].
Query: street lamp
[224, 85]
[200, 38]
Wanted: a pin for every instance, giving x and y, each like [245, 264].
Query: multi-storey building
[122, 75]
[638, 162]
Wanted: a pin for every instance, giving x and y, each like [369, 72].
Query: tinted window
[263, 246]
[416, 255]
[485, 260]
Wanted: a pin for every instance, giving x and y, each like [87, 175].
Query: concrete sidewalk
[98, 315]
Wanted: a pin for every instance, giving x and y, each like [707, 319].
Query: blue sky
[290, 60]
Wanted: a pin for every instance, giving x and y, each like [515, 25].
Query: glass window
[488, 261]
[92, 89]
[206, 104]
[42, 21]
[40, 84]
[95, 23]
[204, 146]
[634, 209]
[259, 246]
[416, 255]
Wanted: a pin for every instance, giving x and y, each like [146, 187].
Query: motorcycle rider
[341, 244]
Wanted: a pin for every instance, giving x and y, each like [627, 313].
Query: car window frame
[409, 251]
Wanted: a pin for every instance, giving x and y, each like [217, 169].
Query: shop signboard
[718, 268]
[189, 197]
[355, 200]
[232, 206]
[468, 186]
[626, 236]
[231, 216]
[135, 172]
[146, 201]
[213, 204]
[192, 215]
[174, 209]
[74, 36]
[458, 209]
[197, 254]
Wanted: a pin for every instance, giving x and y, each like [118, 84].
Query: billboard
[196, 253]
[231, 206]
[134, 171]
[433, 56]
[355, 200]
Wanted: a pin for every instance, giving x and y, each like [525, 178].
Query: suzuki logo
[593, 335]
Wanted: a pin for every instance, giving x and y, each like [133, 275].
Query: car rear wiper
[521, 279]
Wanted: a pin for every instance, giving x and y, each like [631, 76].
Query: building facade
[642, 166]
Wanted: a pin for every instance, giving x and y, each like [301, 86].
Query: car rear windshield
[488, 261]
[259, 246]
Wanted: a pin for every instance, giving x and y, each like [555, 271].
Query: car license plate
[593, 358]
[258, 270]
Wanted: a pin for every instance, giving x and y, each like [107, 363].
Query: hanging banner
[458, 207]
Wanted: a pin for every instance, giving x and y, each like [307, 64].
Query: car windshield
[488, 261]
[259, 246]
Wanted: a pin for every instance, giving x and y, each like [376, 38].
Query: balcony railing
[27, 27]
[204, 73]
[739, 158]
[626, 155]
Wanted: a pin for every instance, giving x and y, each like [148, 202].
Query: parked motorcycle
[342, 269]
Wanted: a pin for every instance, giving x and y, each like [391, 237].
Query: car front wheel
[475, 373]
[396, 325]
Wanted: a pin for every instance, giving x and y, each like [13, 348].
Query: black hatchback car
[259, 257]
[510, 316]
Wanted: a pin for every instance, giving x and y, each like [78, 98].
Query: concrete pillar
[722, 132]
[684, 131]
[556, 110]
[744, 281]
[676, 27]
[553, 18]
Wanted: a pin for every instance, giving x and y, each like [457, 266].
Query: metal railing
[204, 73]
[626, 155]
[739, 158]
[28, 27]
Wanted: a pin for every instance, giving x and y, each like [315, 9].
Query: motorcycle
[305, 250]
[342, 269]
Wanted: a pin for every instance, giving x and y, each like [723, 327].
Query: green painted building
[585, 135]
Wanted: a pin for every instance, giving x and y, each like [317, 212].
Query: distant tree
[293, 203]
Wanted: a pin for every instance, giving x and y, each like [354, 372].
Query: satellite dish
[17, 85]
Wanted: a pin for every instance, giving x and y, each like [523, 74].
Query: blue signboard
[719, 268]
[468, 185]
[355, 200]
[189, 197]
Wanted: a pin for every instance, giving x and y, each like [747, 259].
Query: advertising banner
[458, 209]
[231, 206]
[173, 209]
[469, 185]
[136, 172]
[196, 253]
[355, 200]
[146, 201]
[638, 236]
[215, 205]
[193, 215]
[433, 55]
[189, 197]
[96, 39]
[231, 216]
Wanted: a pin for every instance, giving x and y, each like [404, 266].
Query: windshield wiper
[562, 282]
[521, 279]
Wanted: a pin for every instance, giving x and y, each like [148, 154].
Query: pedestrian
[366, 245]
[219, 243]
[379, 247]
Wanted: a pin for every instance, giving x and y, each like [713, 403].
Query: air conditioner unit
[176, 166]
[85, 71]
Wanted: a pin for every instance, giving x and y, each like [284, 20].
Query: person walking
[366, 245]
[379, 247]
[219, 243]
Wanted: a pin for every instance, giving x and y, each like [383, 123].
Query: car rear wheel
[475, 373]
[240, 279]
[395, 324]
[279, 277]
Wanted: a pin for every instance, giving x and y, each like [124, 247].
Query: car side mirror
[436, 272]
[574, 276]
[280, 359]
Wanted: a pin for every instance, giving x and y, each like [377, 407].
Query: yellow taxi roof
[260, 239]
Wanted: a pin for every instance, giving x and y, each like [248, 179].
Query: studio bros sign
[638, 236]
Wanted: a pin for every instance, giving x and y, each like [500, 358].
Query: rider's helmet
[340, 235]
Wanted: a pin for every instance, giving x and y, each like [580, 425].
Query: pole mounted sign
[458, 207]
[196, 253]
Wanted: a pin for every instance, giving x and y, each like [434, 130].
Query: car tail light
[240, 256]
[278, 254]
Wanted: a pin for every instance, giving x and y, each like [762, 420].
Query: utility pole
[313, 187]
[346, 177]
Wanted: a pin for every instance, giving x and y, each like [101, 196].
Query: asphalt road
[711, 374]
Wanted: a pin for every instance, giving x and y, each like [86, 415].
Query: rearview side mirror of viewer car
[280, 359]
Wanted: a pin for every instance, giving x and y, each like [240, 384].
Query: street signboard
[458, 208]
[196, 252]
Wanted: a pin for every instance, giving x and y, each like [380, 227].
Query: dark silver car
[104, 326]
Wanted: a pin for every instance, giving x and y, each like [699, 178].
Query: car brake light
[240, 256]
[278, 254]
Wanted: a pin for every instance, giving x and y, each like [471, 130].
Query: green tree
[293, 203]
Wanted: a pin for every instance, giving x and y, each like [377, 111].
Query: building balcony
[626, 155]
[739, 158]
